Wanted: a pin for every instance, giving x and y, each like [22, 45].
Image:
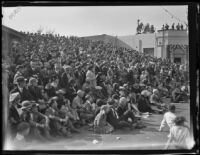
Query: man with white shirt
[168, 117]
[21, 88]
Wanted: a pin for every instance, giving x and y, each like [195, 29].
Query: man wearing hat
[77, 103]
[34, 89]
[78, 100]
[90, 76]
[113, 118]
[58, 70]
[14, 118]
[144, 103]
[20, 70]
[21, 88]
[77, 75]
[39, 122]
[123, 111]
[65, 77]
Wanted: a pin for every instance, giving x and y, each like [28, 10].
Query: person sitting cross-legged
[126, 114]
[55, 121]
[156, 103]
[39, 123]
[113, 118]
[100, 124]
[123, 112]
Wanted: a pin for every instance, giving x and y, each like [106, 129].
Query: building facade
[165, 44]
[173, 45]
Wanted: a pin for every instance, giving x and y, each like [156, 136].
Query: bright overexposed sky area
[91, 20]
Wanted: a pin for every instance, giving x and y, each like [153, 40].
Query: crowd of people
[58, 84]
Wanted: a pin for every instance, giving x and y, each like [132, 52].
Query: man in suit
[34, 90]
[113, 117]
[65, 77]
[58, 71]
[21, 88]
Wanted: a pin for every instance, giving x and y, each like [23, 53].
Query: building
[9, 36]
[173, 45]
[170, 44]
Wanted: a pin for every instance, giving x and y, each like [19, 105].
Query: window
[177, 60]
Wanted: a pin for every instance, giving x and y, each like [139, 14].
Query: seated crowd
[58, 84]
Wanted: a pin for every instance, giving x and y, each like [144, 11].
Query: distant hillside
[108, 39]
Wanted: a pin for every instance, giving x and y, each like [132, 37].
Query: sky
[90, 20]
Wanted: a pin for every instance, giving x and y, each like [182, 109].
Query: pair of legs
[128, 114]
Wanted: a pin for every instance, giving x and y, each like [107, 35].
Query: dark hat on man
[32, 79]
[20, 79]
[100, 102]
[111, 102]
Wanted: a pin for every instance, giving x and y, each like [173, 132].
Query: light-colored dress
[101, 126]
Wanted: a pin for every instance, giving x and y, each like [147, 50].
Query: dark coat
[35, 92]
[144, 105]
[112, 119]
[64, 81]
[120, 111]
[13, 115]
[25, 95]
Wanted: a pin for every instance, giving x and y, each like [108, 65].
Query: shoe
[138, 127]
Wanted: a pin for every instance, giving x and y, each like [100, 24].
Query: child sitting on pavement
[179, 136]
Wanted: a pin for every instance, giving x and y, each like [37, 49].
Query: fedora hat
[28, 104]
[20, 79]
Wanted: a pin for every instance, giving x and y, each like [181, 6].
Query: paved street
[146, 138]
